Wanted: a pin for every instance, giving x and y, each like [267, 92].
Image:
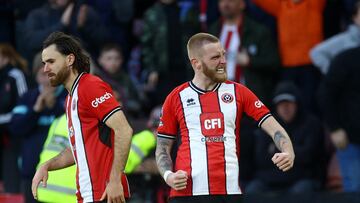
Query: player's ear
[195, 63]
[70, 59]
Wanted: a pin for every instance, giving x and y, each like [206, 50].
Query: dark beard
[60, 77]
[213, 75]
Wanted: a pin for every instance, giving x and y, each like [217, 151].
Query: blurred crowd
[298, 56]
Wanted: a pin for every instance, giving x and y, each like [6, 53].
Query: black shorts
[208, 199]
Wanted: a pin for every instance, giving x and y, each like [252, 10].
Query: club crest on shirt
[227, 98]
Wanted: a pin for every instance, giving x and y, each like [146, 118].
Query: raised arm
[122, 139]
[63, 160]
[284, 160]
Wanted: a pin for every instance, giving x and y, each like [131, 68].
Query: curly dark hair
[67, 44]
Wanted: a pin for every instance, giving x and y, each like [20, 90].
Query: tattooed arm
[162, 153]
[63, 160]
[177, 180]
[284, 160]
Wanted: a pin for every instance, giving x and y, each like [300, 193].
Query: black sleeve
[330, 91]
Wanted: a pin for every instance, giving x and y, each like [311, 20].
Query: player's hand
[339, 138]
[81, 18]
[41, 175]
[284, 161]
[66, 16]
[49, 97]
[39, 105]
[114, 191]
[177, 180]
[243, 58]
[153, 79]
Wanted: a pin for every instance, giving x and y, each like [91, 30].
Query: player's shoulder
[88, 81]
[236, 84]
[178, 89]
[88, 78]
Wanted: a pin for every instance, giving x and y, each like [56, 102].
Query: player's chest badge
[227, 98]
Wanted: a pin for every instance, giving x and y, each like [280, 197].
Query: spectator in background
[167, 27]
[260, 15]
[112, 71]
[61, 184]
[13, 84]
[69, 16]
[117, 17]
[141, 165]
[306, 134]
[324, 52]
[32, 117]
[7, 22]
[252, 56]
[339, 97]
[300, 27]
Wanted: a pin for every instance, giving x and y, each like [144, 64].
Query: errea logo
[95, 103]
[190, 102]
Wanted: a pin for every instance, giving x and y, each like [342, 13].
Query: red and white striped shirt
[88, 106]
[209, 127]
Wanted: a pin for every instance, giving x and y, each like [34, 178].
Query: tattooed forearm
[280, 140]
[163, 158]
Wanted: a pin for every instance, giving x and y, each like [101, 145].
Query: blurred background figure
[339, 98]
[299, 28]
[307, 136]
[13, 84]
[117, 17]
[69, 16]
[32, 117]
[323, 53]
[61, 186]
[167, 27]
[252, 56]
[7, 22]
[141, 165]
[113, 72]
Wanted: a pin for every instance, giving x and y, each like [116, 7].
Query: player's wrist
[166, 174]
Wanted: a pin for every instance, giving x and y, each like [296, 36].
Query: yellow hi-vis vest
[141, 145]
[61, 184]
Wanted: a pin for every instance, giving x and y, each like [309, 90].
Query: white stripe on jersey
[20, 80]
[197, 148]
[84, 174]
[67, 119]
[231, 159]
